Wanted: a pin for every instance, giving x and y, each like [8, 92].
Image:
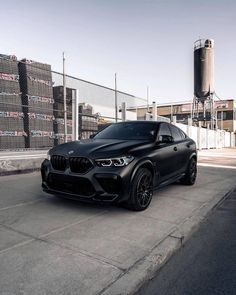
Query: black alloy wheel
[142, 190]
[191, 173]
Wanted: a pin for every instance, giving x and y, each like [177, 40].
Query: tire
[191, 173]
[142, 190]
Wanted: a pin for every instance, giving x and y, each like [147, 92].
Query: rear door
[165, 156]
[181, 147]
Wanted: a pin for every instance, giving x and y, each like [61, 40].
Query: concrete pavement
[54, 246]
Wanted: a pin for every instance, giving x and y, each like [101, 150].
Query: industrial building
[225, 112]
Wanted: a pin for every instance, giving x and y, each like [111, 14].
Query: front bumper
[100, 184]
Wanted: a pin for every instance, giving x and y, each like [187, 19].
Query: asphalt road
[207, 263]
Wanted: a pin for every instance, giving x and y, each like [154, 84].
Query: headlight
[114, 162]
[48, 156]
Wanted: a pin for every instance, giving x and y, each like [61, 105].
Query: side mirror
[92, 135]
[165, 139]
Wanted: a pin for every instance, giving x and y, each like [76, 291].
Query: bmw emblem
[70, 152]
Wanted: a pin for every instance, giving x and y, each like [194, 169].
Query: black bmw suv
[123, 163]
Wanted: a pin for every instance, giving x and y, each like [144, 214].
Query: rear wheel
[191, 173]
[142, 190]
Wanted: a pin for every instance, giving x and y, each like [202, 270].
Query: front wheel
[142, 190]
[191, 173]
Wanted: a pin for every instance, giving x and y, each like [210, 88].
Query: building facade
[225, 113]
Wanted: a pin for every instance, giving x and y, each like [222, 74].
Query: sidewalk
[55, 246]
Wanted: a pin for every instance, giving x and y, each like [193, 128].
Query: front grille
[58, 162]
[80, 164]
[70, 184]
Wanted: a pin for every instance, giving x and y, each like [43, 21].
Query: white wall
[206, 138]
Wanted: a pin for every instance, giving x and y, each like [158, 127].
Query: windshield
[129, 131]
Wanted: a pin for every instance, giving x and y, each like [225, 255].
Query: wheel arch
[193, 156]
[144, 164]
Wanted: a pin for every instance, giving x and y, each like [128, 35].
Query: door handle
[188, 145]
[175, 149]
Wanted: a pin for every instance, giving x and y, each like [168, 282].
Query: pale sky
[146, 42]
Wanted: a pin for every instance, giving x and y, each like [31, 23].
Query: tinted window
[129, 131]
[176, 133]
[164, 130]
[182, 134]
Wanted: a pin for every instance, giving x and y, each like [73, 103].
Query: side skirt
[170, 180]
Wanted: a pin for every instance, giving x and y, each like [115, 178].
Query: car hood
[95, 148]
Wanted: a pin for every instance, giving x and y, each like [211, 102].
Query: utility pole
[116, 107]
[64, 96]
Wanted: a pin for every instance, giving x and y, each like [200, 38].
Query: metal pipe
[147, 99]
[75, 115]
[171, 113]
[123, 111]
[116, 107]
[64, 96]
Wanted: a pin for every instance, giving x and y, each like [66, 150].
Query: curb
[143, 271]
[20, 171]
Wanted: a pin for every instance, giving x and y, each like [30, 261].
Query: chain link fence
[32, 105]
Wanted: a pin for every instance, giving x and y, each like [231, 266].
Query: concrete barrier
[21, 161]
